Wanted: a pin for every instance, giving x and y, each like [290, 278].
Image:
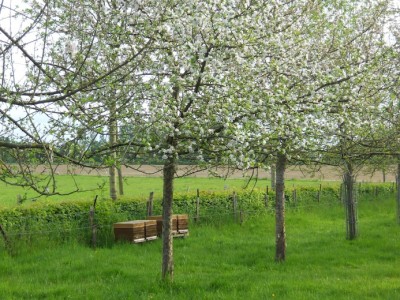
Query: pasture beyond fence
[91, 221]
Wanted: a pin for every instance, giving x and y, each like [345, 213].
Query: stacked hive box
[180, 224]
[136, 231]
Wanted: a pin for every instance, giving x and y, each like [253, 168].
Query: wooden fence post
[266, 197]
[150, 204]
[234, 202]
[398, 193]
[341, 193]
[294, 196]
[319, 193]
[6, 240]
[93, 225]
[197, 206]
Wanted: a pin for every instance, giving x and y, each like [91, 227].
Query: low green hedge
[71, 218]
[376, 188]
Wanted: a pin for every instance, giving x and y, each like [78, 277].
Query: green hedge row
[375, 188]
[73, 216]
[76, 213]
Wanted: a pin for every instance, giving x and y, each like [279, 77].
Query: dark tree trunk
[168, 193]
[280, 209]
[350, 203]
[168, 198]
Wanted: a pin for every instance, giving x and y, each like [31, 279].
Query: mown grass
[138, 187]
[223, 260]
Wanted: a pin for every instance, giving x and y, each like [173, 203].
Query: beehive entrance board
[136, 231]
[180, 224]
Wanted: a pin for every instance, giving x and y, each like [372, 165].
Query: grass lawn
[224, 260]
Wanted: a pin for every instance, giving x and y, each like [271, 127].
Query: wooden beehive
[159, 221]
[136, 231]
[180, 224]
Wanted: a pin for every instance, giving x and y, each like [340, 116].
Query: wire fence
[79, 226]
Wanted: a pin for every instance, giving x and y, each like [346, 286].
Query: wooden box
[136, 231]
[180, 224]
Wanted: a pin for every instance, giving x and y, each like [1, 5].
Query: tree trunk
[167, 272]
[168, 191]
[350, 203]
[273, 177]
[113, 155]
[280, 209]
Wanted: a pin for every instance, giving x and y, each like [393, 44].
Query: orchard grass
[139, 187]
[224, 260]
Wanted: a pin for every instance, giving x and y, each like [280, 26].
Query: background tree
[69, 65]
[194, 92]
[353, 123]
[317, 50]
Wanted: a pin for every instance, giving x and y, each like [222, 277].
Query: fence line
[89, 227]
[209, 215]
[93, 225]
[79, 215]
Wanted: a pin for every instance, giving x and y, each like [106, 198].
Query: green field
[140, 187]
[223, 260]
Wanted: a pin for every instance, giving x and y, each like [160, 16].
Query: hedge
[60, 218]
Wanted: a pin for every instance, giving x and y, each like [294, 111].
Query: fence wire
[77, 225]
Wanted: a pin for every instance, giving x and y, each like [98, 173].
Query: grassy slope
[225, 261]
